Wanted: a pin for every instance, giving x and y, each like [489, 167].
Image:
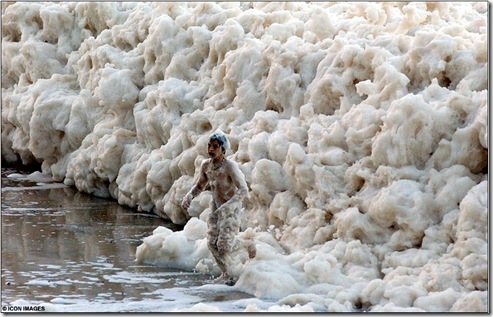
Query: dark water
[76, 251]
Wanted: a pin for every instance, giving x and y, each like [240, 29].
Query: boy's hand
[225, 210]
[186, 202]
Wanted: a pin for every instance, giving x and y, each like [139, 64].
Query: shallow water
[76, 252]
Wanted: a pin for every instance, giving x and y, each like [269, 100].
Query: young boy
[228, 187]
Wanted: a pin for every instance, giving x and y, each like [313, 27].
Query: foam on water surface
[361, 128]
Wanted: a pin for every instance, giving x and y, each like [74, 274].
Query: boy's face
[214, 149]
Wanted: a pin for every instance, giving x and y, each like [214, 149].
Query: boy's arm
[197, 188]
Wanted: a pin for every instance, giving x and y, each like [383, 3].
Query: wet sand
[67, 248]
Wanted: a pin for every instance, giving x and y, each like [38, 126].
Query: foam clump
[187, 247]
[361, 128]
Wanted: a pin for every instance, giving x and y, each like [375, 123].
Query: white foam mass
[361, 128]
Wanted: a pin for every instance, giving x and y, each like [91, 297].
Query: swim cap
[220, 137]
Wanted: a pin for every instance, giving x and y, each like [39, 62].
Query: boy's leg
[226, 240]
[229, 228]
[223, 230]
[212, 238]
[249, 245]
[219, 261]
[251, 248]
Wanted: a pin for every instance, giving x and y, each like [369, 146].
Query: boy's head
[221, 138]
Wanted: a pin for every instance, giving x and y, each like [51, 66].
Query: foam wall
[361, 128]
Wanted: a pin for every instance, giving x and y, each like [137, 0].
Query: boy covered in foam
[228, 187]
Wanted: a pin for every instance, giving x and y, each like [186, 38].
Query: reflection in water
[63, 246]
[73, 244]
